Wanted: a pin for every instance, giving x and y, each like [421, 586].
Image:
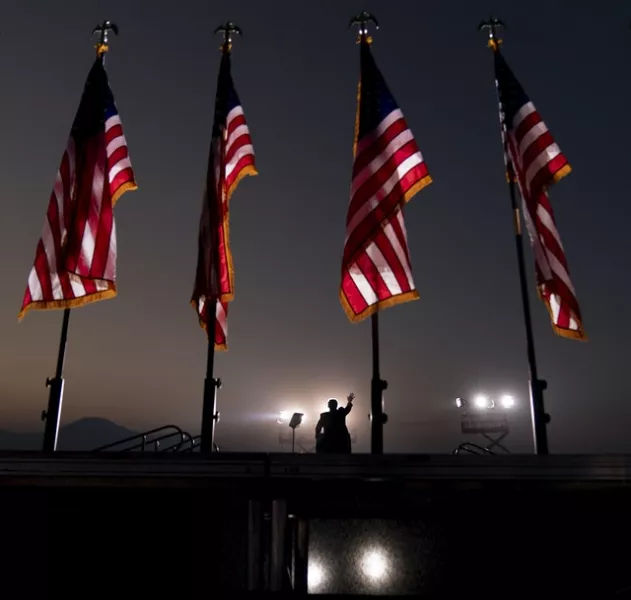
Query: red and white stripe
[388, 170]
[221, 328]
[239, 152]
[233, 158]
[539, 163]
[75, 260]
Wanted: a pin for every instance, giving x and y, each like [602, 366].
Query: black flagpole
[378, 417]
[52, 415]
[537, 386]
[377, 386]
[212, 384]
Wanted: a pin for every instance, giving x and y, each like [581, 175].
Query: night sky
[140, 359]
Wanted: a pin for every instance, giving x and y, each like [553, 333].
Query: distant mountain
[10, 440]
[82, 435]
[90, 433]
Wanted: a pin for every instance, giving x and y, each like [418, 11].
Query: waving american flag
[75, 260]
[538, 163]
[388, 170]
[231, 158]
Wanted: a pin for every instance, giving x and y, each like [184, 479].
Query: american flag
[75, 260]
[538, 163]
[231, 158]
[388, 170]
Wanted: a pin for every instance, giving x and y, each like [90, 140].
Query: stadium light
[488, 418]
[507, 401]
[484, 402]
[375, 565]
[315, 577]
[284, 416]
[481, 402]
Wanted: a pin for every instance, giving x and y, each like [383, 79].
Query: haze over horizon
[139, 360]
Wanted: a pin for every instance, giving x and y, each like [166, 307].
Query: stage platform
[442, 526]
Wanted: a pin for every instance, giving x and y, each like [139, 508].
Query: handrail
[468, 447]
[191, 444]
[144, 440]
[195, 445]
[180, 446]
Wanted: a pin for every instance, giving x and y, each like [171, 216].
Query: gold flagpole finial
[103, 31]
[362, 20]
[493, 24]
[227, 30]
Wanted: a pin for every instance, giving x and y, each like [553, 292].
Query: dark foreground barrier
[167, 526]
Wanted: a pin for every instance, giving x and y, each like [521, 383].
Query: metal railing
[472, 448]
[156, 440]
[189, 444]
[168, 438]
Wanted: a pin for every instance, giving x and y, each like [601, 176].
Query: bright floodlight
[375, 565]
[315, 577]
[508, 401]
[481, 401]
[460, 402]
[283, 415]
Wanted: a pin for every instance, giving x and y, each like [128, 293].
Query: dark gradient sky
[139, 359]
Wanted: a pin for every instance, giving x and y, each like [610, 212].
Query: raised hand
[350, 398]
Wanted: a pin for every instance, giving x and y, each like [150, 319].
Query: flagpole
[378, 417]
[537, 386]
[52, 415]
[212, 384]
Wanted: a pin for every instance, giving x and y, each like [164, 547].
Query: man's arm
[318, 428]
[349, 403]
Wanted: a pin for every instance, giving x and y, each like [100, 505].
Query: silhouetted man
[335, 439]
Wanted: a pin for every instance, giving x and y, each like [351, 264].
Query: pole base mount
[384, 418]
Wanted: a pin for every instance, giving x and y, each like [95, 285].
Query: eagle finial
[362, 20]
[103, 31]
[227, 29]
[493, 24]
